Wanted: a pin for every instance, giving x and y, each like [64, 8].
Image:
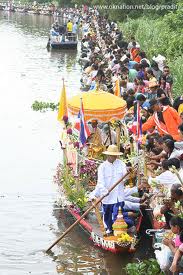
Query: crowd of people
[122, 68]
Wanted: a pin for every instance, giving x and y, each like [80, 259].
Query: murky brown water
[30, 152]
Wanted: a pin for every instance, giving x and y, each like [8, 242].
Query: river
[30, 217]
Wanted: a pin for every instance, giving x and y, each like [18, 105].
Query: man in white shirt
[109, 172]
[75, 28]
[168, 178]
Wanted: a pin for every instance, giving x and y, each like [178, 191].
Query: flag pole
[80, 118]
[62, 109]
[138, 167]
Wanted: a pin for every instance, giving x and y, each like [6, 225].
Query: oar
[87, 211]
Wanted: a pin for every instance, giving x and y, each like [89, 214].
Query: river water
[29, 215]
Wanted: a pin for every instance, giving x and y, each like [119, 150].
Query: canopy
[98, 105]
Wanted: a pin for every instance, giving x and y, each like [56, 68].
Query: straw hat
[112, 150]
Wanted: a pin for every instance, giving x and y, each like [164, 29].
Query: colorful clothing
[170, 125]
[110, 212]
[108, 174]
[69, 26]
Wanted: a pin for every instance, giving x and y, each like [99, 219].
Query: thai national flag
[81, 126]
[137, 123]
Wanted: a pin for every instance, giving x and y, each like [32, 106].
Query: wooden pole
[100, 221]
[118, 135]
[110, 138]
[87, 211]
[145, 165]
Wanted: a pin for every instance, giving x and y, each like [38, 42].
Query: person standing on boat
[109, 172]
[75, 28]
[56, 26]
[69, 28]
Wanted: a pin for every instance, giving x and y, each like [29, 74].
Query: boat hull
[64, 45]
[100, 241]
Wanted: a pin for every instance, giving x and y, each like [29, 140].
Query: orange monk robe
[171, 119]
[137, 59]
[135, 55]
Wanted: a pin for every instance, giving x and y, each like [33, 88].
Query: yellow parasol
[98, 105]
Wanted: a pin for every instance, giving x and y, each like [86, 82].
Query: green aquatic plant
[44, 106]
[148, 267]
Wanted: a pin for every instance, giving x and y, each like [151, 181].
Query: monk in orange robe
[165, 119]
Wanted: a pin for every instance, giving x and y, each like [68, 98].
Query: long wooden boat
[68, 42]
[91, 226]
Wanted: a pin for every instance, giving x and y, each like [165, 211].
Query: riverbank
[163, 36]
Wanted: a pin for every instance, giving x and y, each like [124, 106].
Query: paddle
[87, 211]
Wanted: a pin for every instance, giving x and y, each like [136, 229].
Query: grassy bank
[160, 36]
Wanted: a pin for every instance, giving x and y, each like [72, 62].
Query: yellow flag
[62, 110]
[117, 88]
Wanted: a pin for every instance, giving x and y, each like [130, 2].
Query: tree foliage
[118, 10]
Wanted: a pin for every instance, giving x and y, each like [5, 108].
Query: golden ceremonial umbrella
[99, 105]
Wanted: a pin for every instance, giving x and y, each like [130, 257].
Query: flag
[82, 126]
[137, 123]
[62, 110]
[117, 88]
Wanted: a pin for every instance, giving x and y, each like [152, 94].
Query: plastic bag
[163, 256]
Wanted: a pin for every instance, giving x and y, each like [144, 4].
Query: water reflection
[84, 257]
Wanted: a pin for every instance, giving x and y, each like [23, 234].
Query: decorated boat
[122, 242]
[76, 177]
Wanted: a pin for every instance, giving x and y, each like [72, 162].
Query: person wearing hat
[109, 172]
[165, 119]
[152, 93]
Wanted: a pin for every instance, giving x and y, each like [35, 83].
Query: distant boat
[33, 12]
[45, 12]
[64, 41]
[9, 8]
[21, 10]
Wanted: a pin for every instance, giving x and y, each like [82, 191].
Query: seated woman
[167, 178]
[172, 152]
[168, 208]
[175, 244]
